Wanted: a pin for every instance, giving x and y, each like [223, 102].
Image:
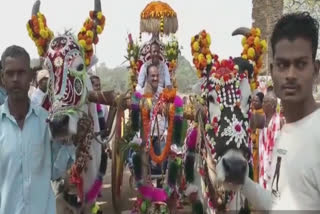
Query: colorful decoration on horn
[39, 32]
[253, 49]
[200, 49]
[158, 17]
[88, 33]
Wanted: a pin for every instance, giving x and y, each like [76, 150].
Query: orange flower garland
[202, 56]
[87, 35]
[160, 158]
[253, 49]
[167, 96]
[39, 32]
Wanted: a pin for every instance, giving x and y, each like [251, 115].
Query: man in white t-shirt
[164, 76]
[295, 182]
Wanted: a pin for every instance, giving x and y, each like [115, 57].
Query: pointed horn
[97, 5]
[97, 8]
[241, 31]
[35, 8]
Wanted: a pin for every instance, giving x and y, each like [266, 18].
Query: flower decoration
[168, 95]
[202, 56]
[158, 17]
[133, 54]
[157, 9]
[39, 32]
[253, 50]
[172, 52]
[88, 33]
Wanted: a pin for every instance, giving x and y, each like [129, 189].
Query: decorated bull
[218, 144]
[72, 117]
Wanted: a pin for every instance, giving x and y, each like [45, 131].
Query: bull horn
[35, 8]
[241, 31]
[97, 5]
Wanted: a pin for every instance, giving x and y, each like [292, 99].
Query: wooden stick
[102, 97]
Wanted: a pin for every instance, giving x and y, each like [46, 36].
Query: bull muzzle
[59, 126]
[235, 170]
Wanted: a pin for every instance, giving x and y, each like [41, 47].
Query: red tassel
[77, 179]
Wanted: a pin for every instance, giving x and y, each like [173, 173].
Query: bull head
[226, 86]
[67, 59]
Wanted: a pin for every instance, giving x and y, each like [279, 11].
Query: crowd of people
[284, 133]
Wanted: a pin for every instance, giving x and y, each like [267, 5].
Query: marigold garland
[253, 50]
[167, 96]
[86, 36]
[202, 56]
[39, 32]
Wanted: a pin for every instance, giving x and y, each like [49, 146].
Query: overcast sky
[218, 17]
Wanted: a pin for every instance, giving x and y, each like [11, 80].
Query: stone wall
[265, 13]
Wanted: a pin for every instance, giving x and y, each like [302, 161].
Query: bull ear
[88, 35]
[38, 30]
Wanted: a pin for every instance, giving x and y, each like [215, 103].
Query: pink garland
[94, 191]
[153, 194]
[192, 139]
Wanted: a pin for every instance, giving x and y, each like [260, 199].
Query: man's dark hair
[94, 77]
[14, 51]
[149, 66]
[294, 25]
[260, 95]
